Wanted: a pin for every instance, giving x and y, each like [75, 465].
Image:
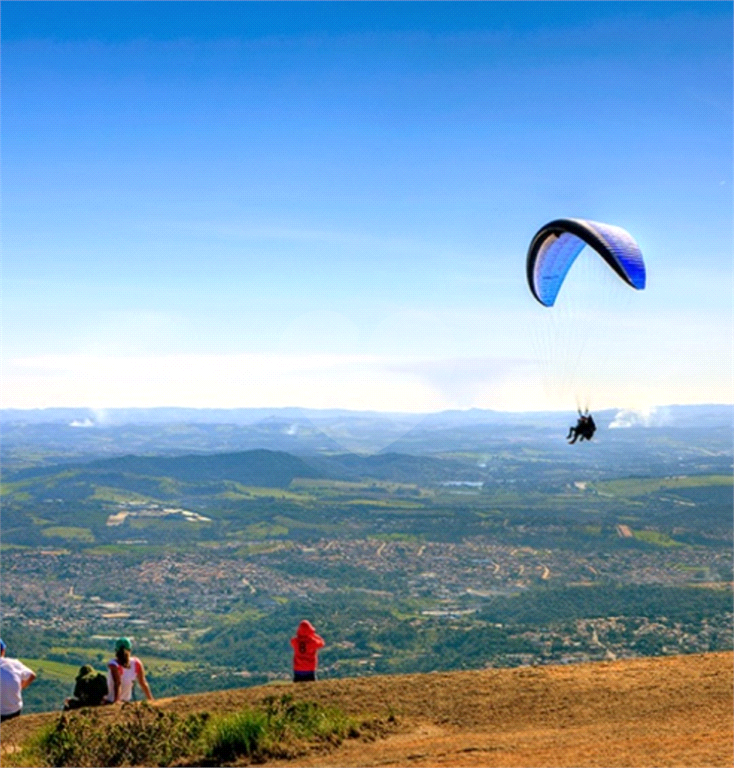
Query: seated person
[90, 689]
[123, 672]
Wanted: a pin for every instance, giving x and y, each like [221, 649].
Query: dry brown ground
[673, 711]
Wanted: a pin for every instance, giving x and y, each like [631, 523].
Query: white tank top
[128, 675]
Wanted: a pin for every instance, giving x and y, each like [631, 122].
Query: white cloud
[82, 423]
[644, 417]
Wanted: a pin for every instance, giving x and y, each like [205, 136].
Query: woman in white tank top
[122, 673]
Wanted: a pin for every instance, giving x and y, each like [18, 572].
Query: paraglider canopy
[555, 247]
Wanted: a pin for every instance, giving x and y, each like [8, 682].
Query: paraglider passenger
[574, 432]
[306, 646]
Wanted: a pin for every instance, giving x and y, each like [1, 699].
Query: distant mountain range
[66, 435]
[668, 415]
[264, 468]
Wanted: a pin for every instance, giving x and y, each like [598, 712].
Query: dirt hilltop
[671, 711]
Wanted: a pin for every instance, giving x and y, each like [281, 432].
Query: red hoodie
[305, 644]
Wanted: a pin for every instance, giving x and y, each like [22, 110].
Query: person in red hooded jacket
[306, 646]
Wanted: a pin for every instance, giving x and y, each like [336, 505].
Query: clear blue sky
[329, 204]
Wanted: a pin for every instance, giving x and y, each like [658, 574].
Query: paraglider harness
[584, 429]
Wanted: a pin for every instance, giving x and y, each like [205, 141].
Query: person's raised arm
[143, 682]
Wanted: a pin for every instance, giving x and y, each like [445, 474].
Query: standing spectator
[306, 646]
[14, 677]
[122, 673]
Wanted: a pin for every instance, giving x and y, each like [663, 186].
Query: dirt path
[673, 711]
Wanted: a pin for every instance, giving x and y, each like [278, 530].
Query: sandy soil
[672, 711]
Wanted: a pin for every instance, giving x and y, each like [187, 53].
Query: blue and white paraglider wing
[555, 247]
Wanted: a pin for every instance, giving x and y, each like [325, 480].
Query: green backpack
[91, 686]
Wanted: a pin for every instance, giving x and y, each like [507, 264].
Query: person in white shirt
[14, 678]
[123, 672]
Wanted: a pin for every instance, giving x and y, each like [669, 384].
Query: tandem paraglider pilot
[306, 645]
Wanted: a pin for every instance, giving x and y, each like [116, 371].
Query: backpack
[91, 686]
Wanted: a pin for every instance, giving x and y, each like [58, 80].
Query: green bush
[143, 735]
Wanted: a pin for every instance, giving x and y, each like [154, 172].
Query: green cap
[123, 642]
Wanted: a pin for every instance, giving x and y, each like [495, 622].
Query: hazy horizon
[102, 413]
